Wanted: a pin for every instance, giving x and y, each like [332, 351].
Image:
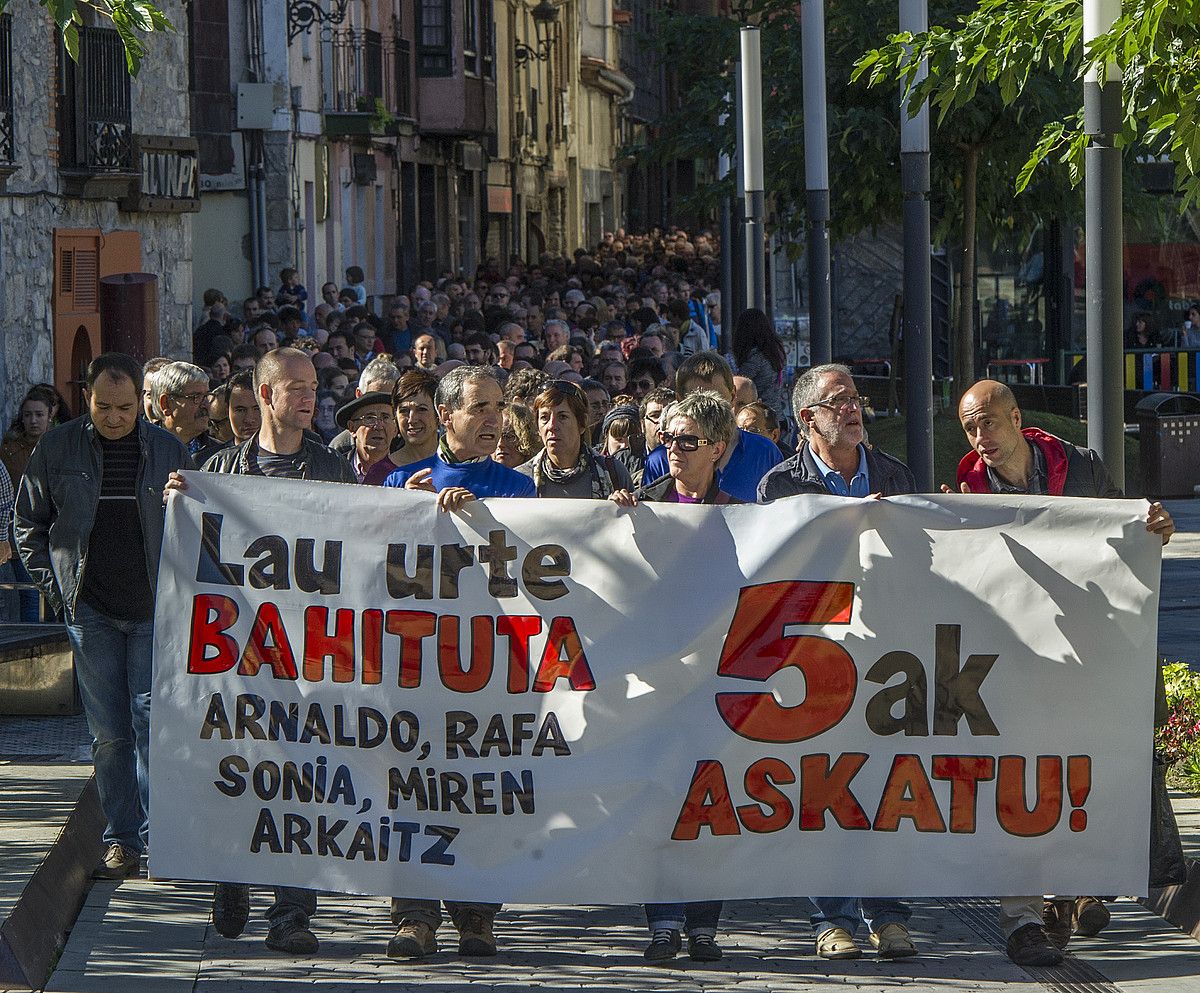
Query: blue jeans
[113, 668]
[850, 911]
[700, 917]
[29, 603]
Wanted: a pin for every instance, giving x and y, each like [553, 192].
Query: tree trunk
[964, 325]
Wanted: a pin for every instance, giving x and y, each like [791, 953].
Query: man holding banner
[835, 458]
[285, 384]
[1007, 458]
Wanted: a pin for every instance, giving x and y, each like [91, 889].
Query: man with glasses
[836, 458]
[498, 296]
[181, 403]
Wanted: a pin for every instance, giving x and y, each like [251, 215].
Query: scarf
[450, 458]
[545, 471]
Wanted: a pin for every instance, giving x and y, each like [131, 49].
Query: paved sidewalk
[143, 937]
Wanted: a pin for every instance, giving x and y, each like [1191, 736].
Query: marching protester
[244, 416]
[89, 527]
[567, 466]
[416, 424]
[1007, 457]
[285, 383]
[469, 404]
[749, 456]
[378, 376]
[181, 406]
[372, 425]
[696, 431]
[835, 458]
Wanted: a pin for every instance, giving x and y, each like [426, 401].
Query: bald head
[989, 415]
[988, 394]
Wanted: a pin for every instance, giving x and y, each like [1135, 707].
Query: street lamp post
[545, 15]
[752, 179]
[1103, 238]
[731, 312]
[918, 309]
[816, 179]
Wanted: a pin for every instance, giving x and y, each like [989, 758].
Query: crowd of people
[602, 378]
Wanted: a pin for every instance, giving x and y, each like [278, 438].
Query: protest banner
[571, 702]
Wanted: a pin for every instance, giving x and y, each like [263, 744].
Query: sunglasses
[686, 442]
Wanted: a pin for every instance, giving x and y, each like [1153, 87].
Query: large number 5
[756, 648]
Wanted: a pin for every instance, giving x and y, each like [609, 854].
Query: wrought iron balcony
[372, 83]
[94, 116]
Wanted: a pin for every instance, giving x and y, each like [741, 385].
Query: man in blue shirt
[836, 458]
[470, 405]
[750, 456]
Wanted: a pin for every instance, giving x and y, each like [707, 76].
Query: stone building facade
[89, 194]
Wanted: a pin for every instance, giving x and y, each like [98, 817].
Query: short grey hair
[379, 370]
[174, 378]
[562, 324]
[453, 387]
[807, 390]
[713, 416]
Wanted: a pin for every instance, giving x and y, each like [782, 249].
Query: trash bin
[1169, 432]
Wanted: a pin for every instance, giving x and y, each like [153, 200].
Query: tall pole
[816, 181]
[752, 178]
[918, 306]
[727, 240]
[737, 304]
[1104, 236]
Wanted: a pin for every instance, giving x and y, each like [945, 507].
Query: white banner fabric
[556, 701]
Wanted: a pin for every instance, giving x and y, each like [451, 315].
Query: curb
[33, 935]
[1179, 905]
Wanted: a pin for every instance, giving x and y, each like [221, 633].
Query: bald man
[1007, 457]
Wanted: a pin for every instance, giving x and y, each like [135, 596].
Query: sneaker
[292, 938]
[1030, 945]
[1059, 919]
[837, 943]
[475, 938]
[664, 945]
[1091, 916]
[119, 862]
[704, 948]
[230, 908]
[892, 942]
[413, 940]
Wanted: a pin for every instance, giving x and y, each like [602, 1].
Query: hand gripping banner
[569, 702]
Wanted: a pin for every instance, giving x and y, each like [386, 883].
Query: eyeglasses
[686, 442]
[370, 420]
[838, 404]
[196, 398]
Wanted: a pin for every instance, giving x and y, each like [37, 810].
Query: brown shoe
[1091, 916]
[1059, 918]
[119, 862]
[475, 938]
[1030, 945]
[413, 940]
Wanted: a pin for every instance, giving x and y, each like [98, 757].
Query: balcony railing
[371, 70]
[94, 105]
[6, 89]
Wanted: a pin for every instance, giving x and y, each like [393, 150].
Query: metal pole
[816, 180]
[918, 306]
[756, 198]
[1104, 237]
[737, 303]
[727, 240]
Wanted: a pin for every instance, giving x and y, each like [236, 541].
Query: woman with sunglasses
[567, 467]
[696, 431]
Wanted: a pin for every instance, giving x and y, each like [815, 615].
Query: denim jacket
[57, 499]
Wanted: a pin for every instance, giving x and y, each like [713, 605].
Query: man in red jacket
[1008, 458]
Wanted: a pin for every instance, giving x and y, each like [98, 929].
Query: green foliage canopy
[135, 21]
